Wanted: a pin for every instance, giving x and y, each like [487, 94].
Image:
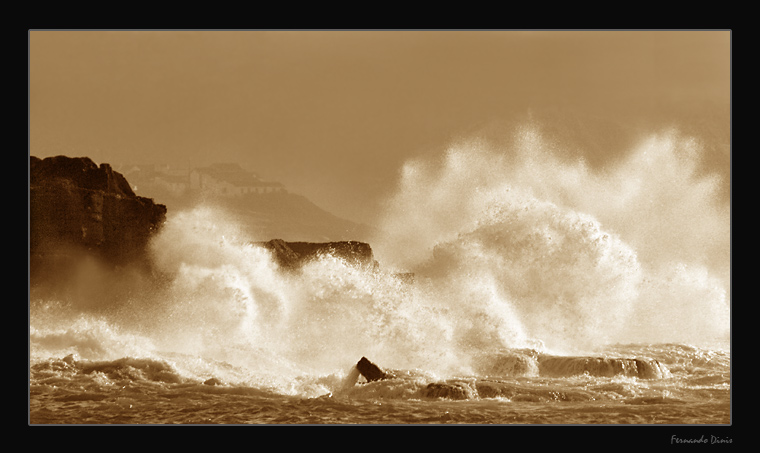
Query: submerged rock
[528, 362]
[507, 364]
[448, 390]
[553, 366]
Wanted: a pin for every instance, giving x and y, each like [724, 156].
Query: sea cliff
[78, 209]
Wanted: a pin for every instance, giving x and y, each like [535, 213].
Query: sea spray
[226, 299]
[56, 330]
[553, 276]
[580, 256]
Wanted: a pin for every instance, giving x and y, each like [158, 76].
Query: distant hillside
[291, 217]
[277, 215]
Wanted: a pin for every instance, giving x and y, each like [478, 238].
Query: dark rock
[448, 390]
[78, 209]
[82, 172]
[282, 254]
[370, 371]
[293, 255]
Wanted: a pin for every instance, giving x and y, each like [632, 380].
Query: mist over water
[511, 248]
[227, 295]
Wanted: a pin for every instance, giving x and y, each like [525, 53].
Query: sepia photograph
[381, 227]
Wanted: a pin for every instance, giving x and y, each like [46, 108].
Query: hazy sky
[333, 114]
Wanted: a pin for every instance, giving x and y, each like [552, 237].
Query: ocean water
[544, 292]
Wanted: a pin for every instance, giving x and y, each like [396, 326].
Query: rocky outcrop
[77, 208]
[293, 255]
[642, 368]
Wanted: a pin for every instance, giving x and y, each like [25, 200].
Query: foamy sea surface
[667, 384]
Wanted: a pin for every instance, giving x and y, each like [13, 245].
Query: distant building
[230, 180]
[176, 184]
[139, 174]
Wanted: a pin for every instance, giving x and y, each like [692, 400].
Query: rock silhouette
[370, 371]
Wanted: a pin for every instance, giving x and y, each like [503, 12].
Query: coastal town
[221, 179]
